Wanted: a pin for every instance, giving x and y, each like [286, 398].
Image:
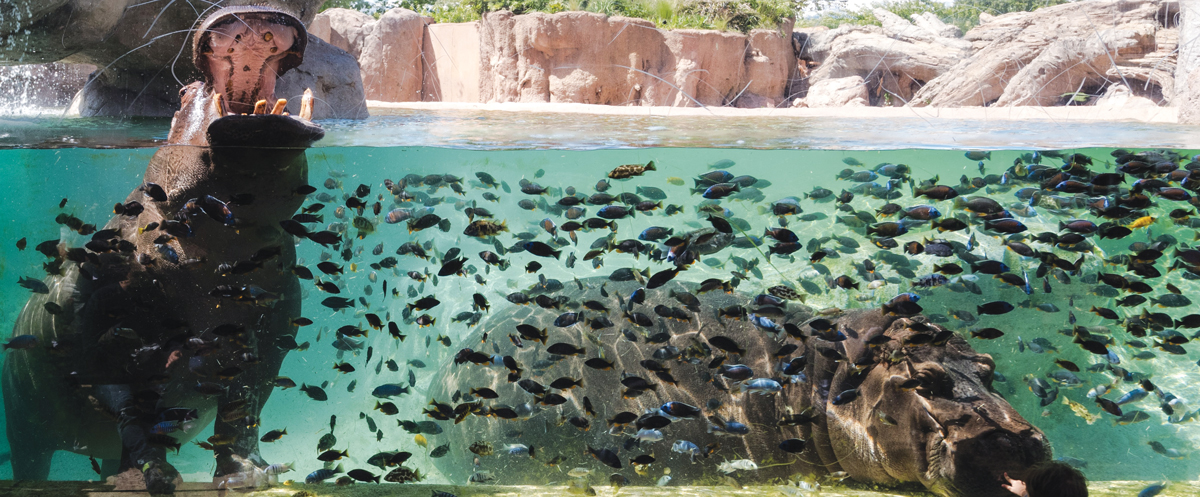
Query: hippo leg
[31, 454]
[31, 449]
[109, 467]
[136, 451]
[255, 387]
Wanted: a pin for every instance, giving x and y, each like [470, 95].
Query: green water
[91, 180]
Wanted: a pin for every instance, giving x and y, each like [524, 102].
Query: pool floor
[92, 489]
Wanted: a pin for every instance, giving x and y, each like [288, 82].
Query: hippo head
[241, 52]
[953, 433]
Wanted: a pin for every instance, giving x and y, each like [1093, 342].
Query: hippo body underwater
[952, 434]
[178, 312]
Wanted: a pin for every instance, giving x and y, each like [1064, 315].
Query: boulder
[344, 28]
[931, 24]
[1035, 58]
[895, 60]
[850, 91]
[1120, 97]
[334, 79]
[391, 57]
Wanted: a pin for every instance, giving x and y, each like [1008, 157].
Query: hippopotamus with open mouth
[845, 403]
[179, 311]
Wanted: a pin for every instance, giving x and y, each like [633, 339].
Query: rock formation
[894, 61]
[1071, 54]
[1035, 58]
[542, 57]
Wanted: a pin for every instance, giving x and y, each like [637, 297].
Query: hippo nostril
[268, 36]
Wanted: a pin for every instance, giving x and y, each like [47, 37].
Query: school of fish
[1003, 240]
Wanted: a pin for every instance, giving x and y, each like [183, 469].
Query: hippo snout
[981, 461]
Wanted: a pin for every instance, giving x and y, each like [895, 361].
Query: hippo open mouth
[241, 52]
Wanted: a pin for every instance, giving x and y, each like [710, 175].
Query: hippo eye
[935, 382]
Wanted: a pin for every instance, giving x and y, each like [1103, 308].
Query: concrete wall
[451, 64]
[1187, 70]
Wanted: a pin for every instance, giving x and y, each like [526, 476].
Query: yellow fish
[1142, 222]
[1080, 410]
[675, 180]
[420, 440]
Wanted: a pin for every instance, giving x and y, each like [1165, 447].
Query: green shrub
[739, 15]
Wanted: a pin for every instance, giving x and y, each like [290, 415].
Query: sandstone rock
[896, 27]
[1119, 97]
[931, 24]
[896, 63]
[391, 57]
[344, 28]
[590, 58]
[850, 91]
[1034, 58]
[319, 27]
[769, 63]
[708, 68]
[334, 79]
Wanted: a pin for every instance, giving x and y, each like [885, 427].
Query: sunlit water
[94, 163]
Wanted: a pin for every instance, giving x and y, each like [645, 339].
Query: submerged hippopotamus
[950, 434]
[179, 311]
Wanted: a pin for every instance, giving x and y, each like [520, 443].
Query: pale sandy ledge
[1160, 115]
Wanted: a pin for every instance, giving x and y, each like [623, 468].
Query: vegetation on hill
[725, 15]
[961, 13]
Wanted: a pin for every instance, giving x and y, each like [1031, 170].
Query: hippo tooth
[217, 105]
[279, 105]
[306, 105]
[260, 107]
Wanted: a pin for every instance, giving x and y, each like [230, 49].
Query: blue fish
[686, 447]
[727, 428]
[765, 323]
[1133, 396]
[1152, 490]
[761, 386]
[21, 342]
[679, 410]
[655, 233]
[321, 475]
[930, 281]
[388, 390]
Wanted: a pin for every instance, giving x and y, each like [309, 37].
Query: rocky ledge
[1118, 54]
